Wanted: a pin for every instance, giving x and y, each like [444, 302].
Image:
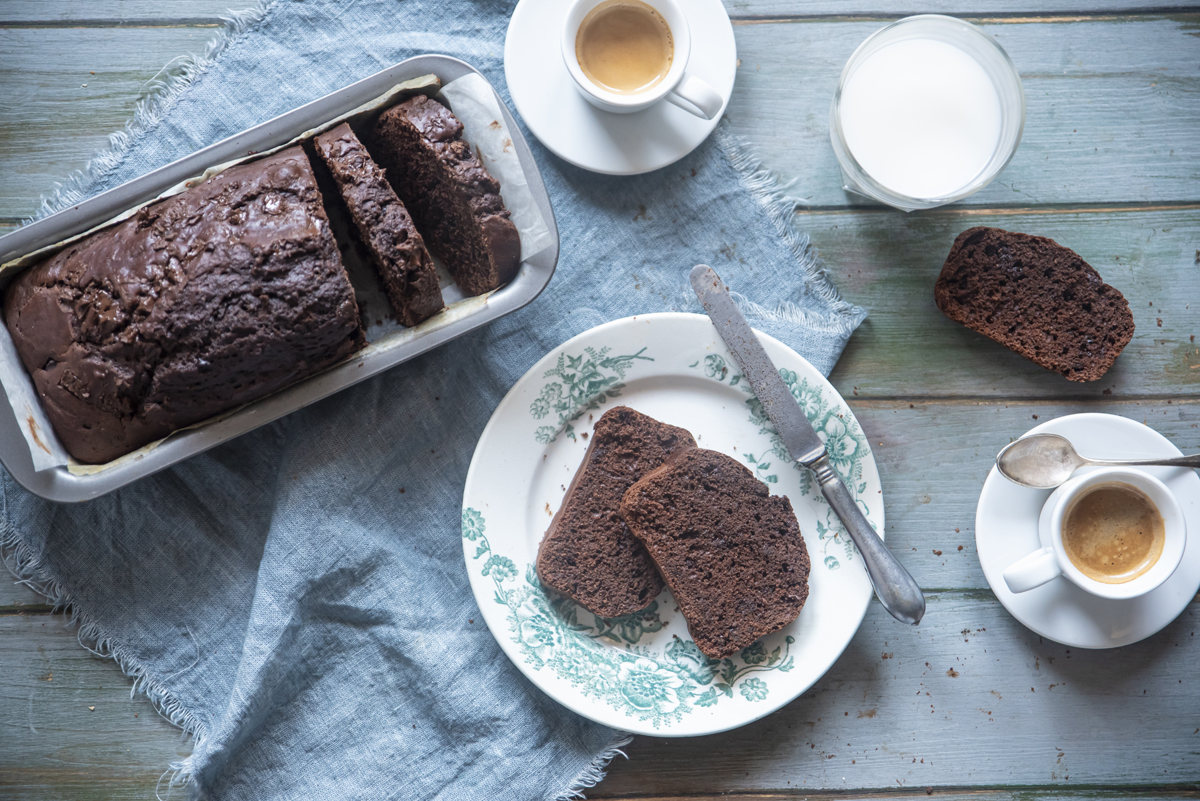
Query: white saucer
[1006, 529]
[600, 141]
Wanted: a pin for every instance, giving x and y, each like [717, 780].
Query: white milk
[921, 117]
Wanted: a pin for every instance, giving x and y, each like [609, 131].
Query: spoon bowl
[1044, 461]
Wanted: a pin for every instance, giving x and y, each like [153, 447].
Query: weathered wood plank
[1086, 82]
[157, 11]
[55, 113]
[939, 793]
[68, 724]
[867, 720]
[970, 697]
[1111, 113]
[888, 262]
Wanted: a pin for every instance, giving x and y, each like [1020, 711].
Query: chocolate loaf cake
[1036, 297]
[730, 551]
[197, 304]
[383, 226]
[455, 202]
[588, 553]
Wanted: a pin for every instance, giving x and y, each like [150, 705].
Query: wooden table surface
[970, 704]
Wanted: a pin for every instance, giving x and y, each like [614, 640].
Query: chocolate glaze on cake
[588, 553]
[730, 551]
[455, 202]
[383, 226]
[1036, 297]
[197, 304]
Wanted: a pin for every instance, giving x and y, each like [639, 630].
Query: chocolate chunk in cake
[588, 553]
[382, 225]
[455, 202]
[1036, 297]
[730, 551]
[195, 305]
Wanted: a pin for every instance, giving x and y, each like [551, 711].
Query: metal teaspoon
[1043, 461]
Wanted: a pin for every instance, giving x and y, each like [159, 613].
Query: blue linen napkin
[297, 598]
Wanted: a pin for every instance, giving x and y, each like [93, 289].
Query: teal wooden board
[1109, 166]
[1085, 81]
[1112, 110]
[176, 11]
[889, 262]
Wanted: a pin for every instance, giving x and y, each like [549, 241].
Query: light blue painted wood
[1108, 167]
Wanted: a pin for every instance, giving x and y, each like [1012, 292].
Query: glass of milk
[928, 110]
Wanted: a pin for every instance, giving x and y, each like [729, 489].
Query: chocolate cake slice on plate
[588, 553]
[455, 202]
[730, 551]
[382, 225]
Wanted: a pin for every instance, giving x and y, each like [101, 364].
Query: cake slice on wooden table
[730, 551]
[382, 225]
[588, 553]
[1036, 297]
[455, 202]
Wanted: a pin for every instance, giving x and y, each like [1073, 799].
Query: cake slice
[730, 551]
[588, 553]
[455, 202]
[383, 226]
[1035, 297]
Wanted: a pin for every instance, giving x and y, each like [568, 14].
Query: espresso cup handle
[696, 97]
[1032, 571]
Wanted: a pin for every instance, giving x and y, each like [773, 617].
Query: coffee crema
[624, 46]
[1114, 533]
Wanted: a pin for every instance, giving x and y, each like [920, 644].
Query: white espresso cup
[677, 87]
[1051, 561]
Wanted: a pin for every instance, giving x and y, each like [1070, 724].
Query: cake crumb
[937, 553]
[402, 490]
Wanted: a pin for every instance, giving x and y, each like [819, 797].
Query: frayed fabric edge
[18, 557]
[161, 94]
[29, 570]
[764, 187]
[593, 774]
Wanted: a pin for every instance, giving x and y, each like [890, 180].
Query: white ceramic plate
[1006, 529]
[643, 673]
[600, 141]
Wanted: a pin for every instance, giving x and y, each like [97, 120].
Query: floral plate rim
[604, 669]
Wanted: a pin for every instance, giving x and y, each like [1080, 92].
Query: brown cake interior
[730, 551]
[1036, 297]
[381, 224]
[455, 202]
[588, 553]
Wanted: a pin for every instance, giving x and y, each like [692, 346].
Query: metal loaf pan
[63, 484]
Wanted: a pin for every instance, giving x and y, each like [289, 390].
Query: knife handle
[897, 590]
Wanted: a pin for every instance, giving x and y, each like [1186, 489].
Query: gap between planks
[1030, 793]
[994, 18]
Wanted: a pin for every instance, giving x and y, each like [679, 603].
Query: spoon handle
[1177, 461]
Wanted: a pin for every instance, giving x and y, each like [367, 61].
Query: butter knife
[896, 589]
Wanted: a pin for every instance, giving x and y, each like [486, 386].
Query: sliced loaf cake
[588, 553]
[455, 202]
[382, 225]
[730, 551]
[1036, 297]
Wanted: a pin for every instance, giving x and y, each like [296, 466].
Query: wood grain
[142, 12]
[888, 262]
[55, 113]
[1111, 110]
[970, 697]
[68, 724]
[1084, 80]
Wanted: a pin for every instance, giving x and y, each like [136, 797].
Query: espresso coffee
[1113, 534]
[624, 46]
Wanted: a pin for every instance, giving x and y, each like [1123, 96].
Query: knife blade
[894, 586]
